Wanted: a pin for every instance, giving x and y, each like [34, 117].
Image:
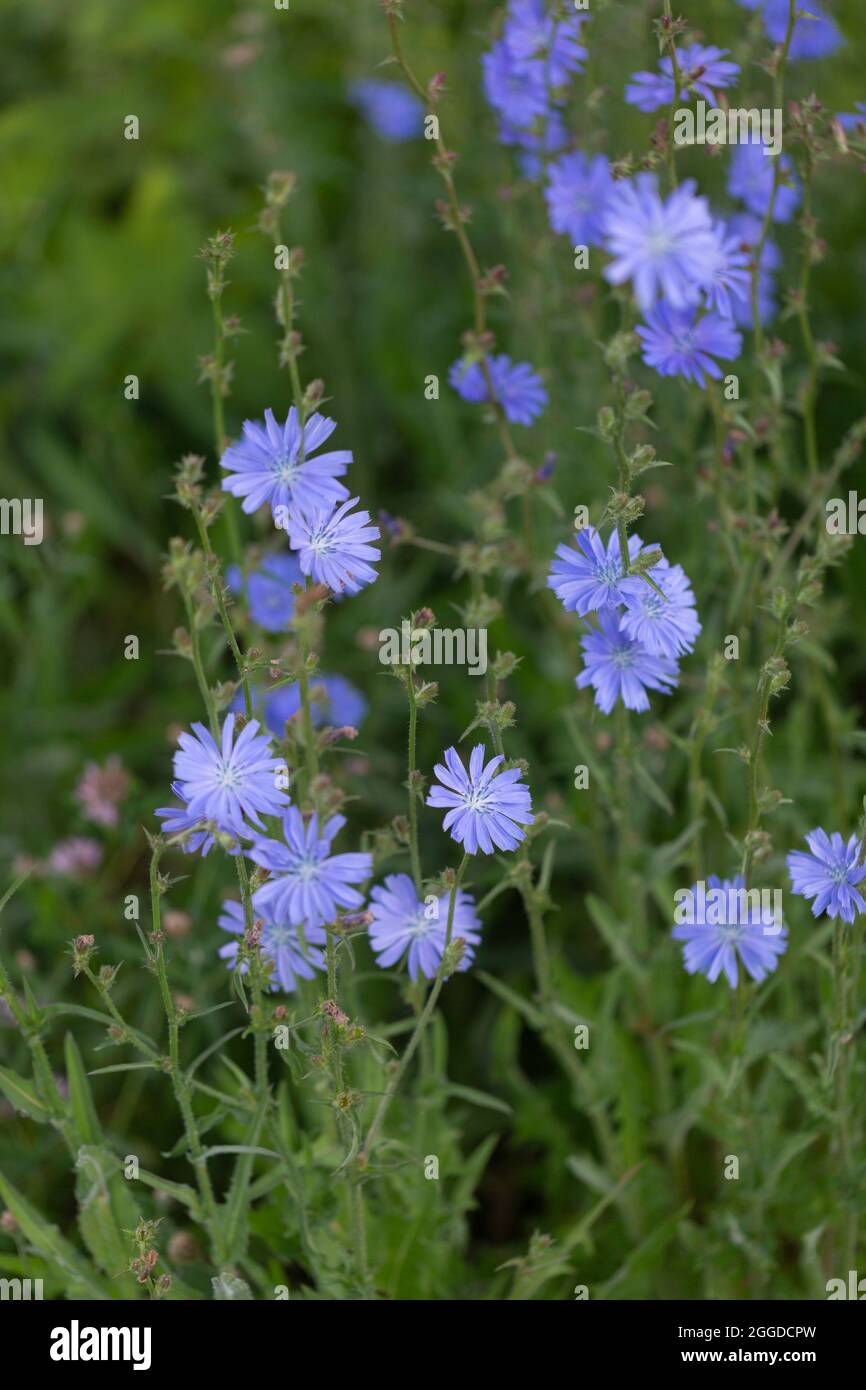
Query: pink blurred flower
[75, 857]
[101, 790]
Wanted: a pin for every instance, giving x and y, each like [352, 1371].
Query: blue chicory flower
[664, 246]
[703, 67]
[273, 463]
[308, 884]
[829, 874]
[333, 545]
[268, 590]
[280, 944]
[576, 195]
[393, 112]
[815, 36]
[587, 577]
[683, 343]
[517, 387]
[334, 702]
[516, 90]
[486, 809]
[227, 784]
[724, 925]
[750, 178]
[402, 921]
[620, 668]
[531, 34]
[665, 623]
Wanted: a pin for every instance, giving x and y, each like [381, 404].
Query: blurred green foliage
[100, 279]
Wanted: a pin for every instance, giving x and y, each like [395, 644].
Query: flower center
[660, 243]
[321, 543]
[419, 925]
[286, 468]
[623, 657]
[228, 776]
[477, 799]
[609, 571]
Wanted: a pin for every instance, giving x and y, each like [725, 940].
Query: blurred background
[100, 279]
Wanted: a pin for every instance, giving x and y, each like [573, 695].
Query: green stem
[413, 800]
[219, 600]
[423, 1019]
[178, 1079]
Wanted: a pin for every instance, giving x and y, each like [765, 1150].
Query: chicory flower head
[815, 34]
[333, 545]
[829, 874]
[665, 623]
[531, 34]
[750, 178]
[704, 67]
[587, 576]
[722, 924]
[268, 590]
[281, 944]
[663, 246]
[620, 668]
[486, 809]
[273, 463]
[516, 90]
[517, 387]
[685, 342]
[393, 112]
[228, 784]
[404, 922]
[576, 194]
[309, 884]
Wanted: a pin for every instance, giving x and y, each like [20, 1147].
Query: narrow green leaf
[84, 1115]
[480, 1098]
[84, 1281]
[22, 1095]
